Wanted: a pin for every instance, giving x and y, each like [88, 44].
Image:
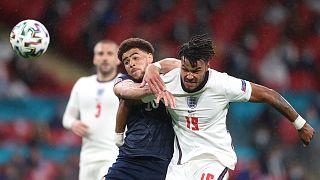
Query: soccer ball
[29, 39]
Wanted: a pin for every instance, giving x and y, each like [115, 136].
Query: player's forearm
[168, 64]
[279, 103]
[68, 118]
[263, 94]
[132, 90]
[122, 115]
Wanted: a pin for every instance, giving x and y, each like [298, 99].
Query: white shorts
[94, 171]
[198, 170]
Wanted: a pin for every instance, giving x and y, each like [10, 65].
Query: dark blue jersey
[149, 130]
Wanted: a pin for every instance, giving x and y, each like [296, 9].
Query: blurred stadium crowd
[275, 43]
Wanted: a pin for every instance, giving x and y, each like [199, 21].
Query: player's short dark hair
[104, 41]
[139, 43]
[199, 47]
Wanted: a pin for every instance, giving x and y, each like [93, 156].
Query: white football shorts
[94, 171]
[198, 170]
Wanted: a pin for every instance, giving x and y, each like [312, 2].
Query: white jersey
[95, 104]
[199, 119]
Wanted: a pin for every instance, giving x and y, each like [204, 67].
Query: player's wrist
[72, 123]
[299, 122]
[118, 139]
[157, 65]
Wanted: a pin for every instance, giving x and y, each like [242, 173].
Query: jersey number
[192, 123]
[207, 176]
[97, 115]
[151, 105]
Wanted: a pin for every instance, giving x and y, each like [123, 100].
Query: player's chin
[190, 86]
[105, 69]
[136, 75]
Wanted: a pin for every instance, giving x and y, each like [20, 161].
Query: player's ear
[150, 58]
[118, 62]
[94, 61]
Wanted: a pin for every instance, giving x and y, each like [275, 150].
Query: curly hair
[199, 47]
[139, 43]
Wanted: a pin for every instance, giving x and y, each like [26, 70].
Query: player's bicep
[122, 115]
[169, 64]
[236, 89]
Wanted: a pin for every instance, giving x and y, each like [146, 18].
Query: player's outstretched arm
[128, 89]
[122, 114]
[167, 98]
[168, 64]
[152, 74]
[263, 94]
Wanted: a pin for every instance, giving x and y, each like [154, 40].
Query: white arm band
[118, 139]
[299, 122]
[157, 64]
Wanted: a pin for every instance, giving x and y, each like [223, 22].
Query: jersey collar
[204, 82]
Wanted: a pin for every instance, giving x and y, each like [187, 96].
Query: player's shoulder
[124, 77]
[171, 75]
[121, 77]
[84, 79]
[216, 78]
[174, 71]
[217, 75]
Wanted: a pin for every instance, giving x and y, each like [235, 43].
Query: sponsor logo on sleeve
[117, 80]
[243, 86]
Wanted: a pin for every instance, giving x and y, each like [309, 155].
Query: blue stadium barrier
[34, 108]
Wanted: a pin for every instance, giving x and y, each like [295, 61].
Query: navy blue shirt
[149, 130]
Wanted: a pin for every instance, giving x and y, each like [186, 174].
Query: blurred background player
[91, 113]
[148, 144]
[203, 145]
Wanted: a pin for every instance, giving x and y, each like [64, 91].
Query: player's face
[105, 58]
[135, 62]
[193, 76]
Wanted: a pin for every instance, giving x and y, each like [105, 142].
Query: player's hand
[167, 97]
[306, 133]
[152, 77]
[79, 128]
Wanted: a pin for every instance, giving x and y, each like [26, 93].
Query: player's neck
[106, 77]
[203, 83]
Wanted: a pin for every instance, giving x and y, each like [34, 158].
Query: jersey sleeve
[121, 78]
[167, 78]
[236, 90]
[170, 76]
[72, 109]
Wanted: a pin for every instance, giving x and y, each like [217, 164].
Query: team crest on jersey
[192, 102]
[100, 92]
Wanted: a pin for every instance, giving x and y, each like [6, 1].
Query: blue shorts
[135, 168]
